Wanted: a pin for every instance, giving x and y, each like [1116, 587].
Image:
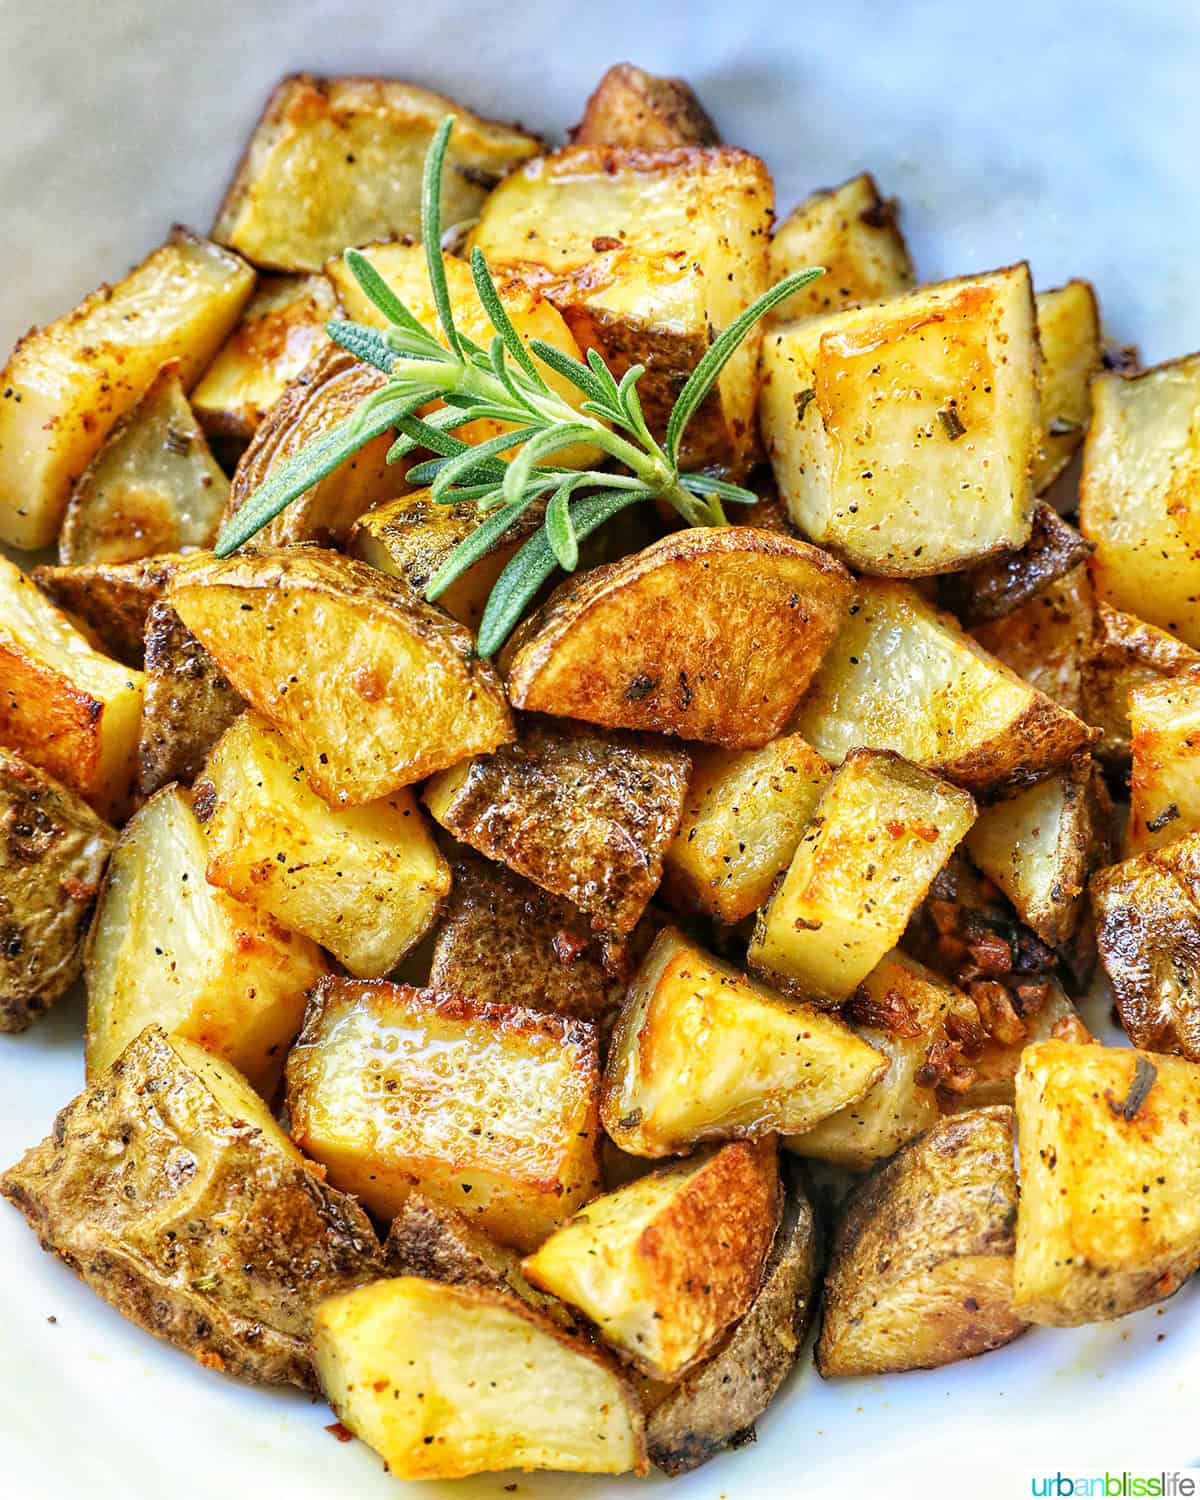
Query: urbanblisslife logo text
[1121, 1485]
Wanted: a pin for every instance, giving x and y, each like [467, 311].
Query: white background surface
[1066, 134]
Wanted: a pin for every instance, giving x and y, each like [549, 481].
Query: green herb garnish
[505, 384]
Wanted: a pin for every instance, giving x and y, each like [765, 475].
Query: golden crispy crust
[1045, 735]
[629, 107]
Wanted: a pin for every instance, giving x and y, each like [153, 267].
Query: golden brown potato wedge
[168, 1186]
[586, 816]
[1164, 793]
[1048, 640]
[111, 599]
[1003, 583]
[710, 634]
[1068, 321]
[882, 830]
[745, 813]
[489, 1107]
[375, 688]
[702, 1053]
[648, 255]
[153, 487]
[1125, 654]
[338, 161]
[53, 850]
[64, 705]
[168, 948]
[1110, 1181]
[630, 107]
[929, 483]
[445, 1381]
[66, 385]
[364, 882]
[855, 234]
[921, 1272]
[644, 1264]
[903, 676]
[282, 327]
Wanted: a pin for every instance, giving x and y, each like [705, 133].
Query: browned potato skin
[228, 1262]
[629, 107]
[1048, 639]
[112, 599]
[188, 706]
[585, 815]
[709, 634]
[715, 1406]
[948, 1197]
[1126, 653]
[1010, 579]
[53, 849]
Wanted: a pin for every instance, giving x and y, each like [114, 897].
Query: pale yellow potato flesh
[1164, 788]
[1068, 323]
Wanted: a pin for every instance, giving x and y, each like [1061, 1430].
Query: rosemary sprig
[504, 383]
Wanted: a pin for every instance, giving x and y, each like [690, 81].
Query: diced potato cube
[168, 948]
[630, 107]
[928, 483]
[68, 384]
[881, 832]
[666, 1263]
[745, 812]
[1125, 654]
[111, 599]
[491, 1108]
[1164, 788]
[1068, 322]
[63, 705]
[852, 232]
[1109, 1219]
[702, 1053]
[1048, 640]
[1004, 583]
[365, 882]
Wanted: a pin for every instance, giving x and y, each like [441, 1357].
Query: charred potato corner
[628, 724]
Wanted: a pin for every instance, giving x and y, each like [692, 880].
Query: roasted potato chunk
[584, 815]
[338, 161]
[63, 705]
[1068, 321]
[1042, 845]
[1110, 1181]
[715, 1405]
[991, 1069]
[648, 255]
[882, 830]
[281, 329]
[921, 1272]
[112, 599]
[1125, 654]
[902, 676]
[710, 634]
[153, 487]
[929, 483]
[375, 688]
[1164, 792]
[364, 882]
[1141, 476]
[170, 1189]
[643, 1264]
[632, 108]
[53, 850]
[168, 948]
[444, 1381]
[1004, 583]
[744, 816]
[69, 383]
[852, 232]
[702, 1053]
[489, 1107]
[1048, 640]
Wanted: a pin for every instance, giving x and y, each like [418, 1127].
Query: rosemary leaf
[570, 368]
[431, 232]
[367, 344]
[489, 298]
[705, 484]
[560, 528]
[385, 299]
[477, 545]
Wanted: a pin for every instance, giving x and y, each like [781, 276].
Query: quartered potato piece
[491, 1108]
[745, 813]
[1068, 323]
[1110, 1181]
[373, 687]
[903, 676]
[852, 232]
[67, 385]
[928, 483]
[646, 1266]
[53, 850]
[921, 1273]
[66, 707]
[168, 948]
[168, 1186]
[882, 830]
[1164, 785]
[364, 882]
[153, 487]
[710, 634]
[1049, 640]
[649, 255]
[111, 599]
[281, 329]
[1004, 583]
[1126, 653]
[630, 107]
[586, 816]
[702, 1053]
[445, 1381]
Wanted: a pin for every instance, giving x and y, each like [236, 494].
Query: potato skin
[191, 1223]
[630, 107]
[1126, 653]
[1001, 584]
[114, 599]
